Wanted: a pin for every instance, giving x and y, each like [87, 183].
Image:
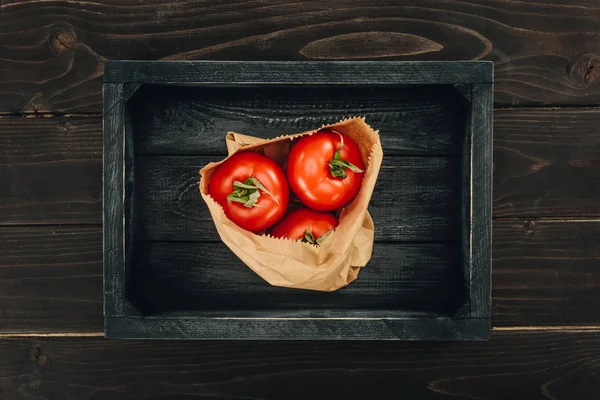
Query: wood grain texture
[50, 279]
[480, 202]
[544, 273]
[168, 205]
[252, 326]
[52, 53]
[546, 163]
[535, 366]
[232, 73]
[360, 45]
[116, 191]
[411, 120]
[50, 170]
[167, 277]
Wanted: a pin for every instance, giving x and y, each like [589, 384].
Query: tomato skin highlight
[295, 224]
[239, 167]
[309, 175]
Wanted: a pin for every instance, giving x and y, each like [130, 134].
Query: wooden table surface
[546, 248]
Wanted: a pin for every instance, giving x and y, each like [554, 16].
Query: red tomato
[324, 172]
[305, 224]
[252, 190]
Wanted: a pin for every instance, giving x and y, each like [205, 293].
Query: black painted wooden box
[166, 273]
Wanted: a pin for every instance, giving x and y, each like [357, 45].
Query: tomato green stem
[248, 192]
[337, 166]
[309, 237]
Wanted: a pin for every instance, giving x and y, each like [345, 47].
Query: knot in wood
[529, 227]
[64, 127]
[62, 40]
[584, 70]
[38, 355]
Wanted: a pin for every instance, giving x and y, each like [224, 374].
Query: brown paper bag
[294, 264]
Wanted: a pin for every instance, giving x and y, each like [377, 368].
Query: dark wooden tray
[167, 275]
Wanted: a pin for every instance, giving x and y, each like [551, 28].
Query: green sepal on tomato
[306, 225]
[325, 170]
[252, 189]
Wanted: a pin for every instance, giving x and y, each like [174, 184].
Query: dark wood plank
[50, 170]
[349, 326]
[416, 198]
[544, 273]
[546, 163]
[169, 277]
[50, 279]
[411, 120]
[300, 72]
[52, 54]
[480, 203]
[535, 366]
[116, 184]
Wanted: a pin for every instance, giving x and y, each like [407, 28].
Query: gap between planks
[530, 107]
[551, 219]
[515, 329]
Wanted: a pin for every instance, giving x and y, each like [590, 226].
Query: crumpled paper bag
[288, 263]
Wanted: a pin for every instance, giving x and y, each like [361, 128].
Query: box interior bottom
[179, 267]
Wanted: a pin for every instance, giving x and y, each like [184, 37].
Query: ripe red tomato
[308, 225]
[252, 190]
[325, 170]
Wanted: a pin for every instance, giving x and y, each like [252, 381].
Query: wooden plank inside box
[167, 275]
